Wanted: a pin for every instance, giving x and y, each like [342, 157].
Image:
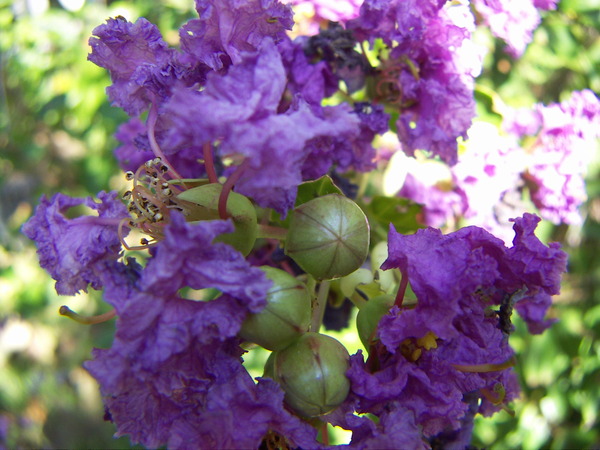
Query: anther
[144, 241]
[126, 195]
[129, 175]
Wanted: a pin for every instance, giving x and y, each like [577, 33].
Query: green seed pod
[312, 373]
[369, 316]
[286, 316]
[328, 237]
[239, 208]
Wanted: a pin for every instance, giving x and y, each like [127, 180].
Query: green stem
[319, 307]
[190, 182]
[271, 232]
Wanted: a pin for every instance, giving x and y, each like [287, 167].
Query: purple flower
[315, 13]
[441, 204]
[187, 257]
[513, 21]
[313, 81]
[396, 425]
[76, 251]
[566, 135]
[228, 28]
[141, 65]
[197, 398]
[545, 4]
[133, 153]
[428, 74]
[540, 268]
[173, 374]
[452, 345]
[240, 110]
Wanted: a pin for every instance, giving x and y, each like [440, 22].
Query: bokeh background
[56, 135]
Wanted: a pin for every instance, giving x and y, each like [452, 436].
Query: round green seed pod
[328, 237]
[312, 373]
[239, 208]
[369, 316]
[287, 314]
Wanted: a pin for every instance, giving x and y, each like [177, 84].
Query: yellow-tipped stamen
[497, 399]
[86, 320]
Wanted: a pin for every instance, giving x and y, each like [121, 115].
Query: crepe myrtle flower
[312, 15]
[513, 21]
[241, 112]
[174, 370]
[446, 354]
[233, 108]
[77, 251]
[559, 140]
[144, 69]
[424, 73]
[174, 373]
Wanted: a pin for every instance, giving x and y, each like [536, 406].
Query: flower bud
[286, 316]
[328, 237]
[312, 373]
[369, 316]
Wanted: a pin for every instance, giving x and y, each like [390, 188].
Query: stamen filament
[209, 163]
[228, 186]
[86, 320]
[482, 368]
[152, 117]
[401, 290]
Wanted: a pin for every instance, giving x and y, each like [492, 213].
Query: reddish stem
[228, 186]
[151, 123]
[209, 163]
[401, 290]
[325, 433]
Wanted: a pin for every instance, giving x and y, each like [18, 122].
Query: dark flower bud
[312, 373]
[369, 316]
[286, 316]
[328, 237]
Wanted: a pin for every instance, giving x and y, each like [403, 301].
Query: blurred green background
[56, 130]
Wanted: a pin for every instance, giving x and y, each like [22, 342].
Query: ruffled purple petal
[76, 251]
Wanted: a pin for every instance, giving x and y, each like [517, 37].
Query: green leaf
[400, 212]
[318, 188]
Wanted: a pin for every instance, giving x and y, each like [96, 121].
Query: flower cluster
[242, 176]
[513, 21]
[543, 151]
